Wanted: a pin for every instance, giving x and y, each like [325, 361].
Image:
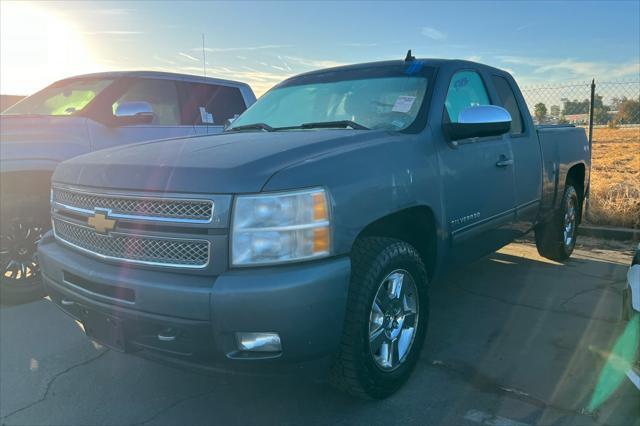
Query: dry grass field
[615, 177]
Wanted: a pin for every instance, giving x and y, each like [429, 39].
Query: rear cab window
[210, 104]
[510, 103]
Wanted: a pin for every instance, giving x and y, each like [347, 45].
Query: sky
[262, 43]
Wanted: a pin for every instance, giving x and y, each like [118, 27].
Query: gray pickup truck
[313, 227]
[84, 114]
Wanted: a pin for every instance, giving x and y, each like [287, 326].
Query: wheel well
[31, 182]
[575, 175]
[415, 225]
[31, 188]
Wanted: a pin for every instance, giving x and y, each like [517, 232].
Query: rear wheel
[386, 319]
[20, 232]
[556, 239]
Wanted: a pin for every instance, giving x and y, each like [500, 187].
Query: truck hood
[229, 163]
[44, 138]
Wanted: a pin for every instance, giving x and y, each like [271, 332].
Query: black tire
[354, 369]
[550, 236]
[28, 218]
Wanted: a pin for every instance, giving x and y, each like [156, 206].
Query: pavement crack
[172, 405]
[534, 307]
[608, 288]
[51, 382]
[487, 384]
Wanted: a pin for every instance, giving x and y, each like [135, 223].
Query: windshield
[390, 102]
[62, 98]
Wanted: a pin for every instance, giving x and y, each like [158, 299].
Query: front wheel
[386, 318]
[20, 279]
[556, 239]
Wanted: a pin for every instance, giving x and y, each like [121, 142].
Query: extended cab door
[477, 176]
[527, 156]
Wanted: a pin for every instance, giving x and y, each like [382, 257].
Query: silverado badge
[101, 222]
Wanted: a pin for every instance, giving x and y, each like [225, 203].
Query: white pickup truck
[83, 114]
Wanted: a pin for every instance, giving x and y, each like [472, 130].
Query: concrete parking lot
[514, 339]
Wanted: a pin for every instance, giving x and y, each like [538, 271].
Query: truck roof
[432, 62]
[162, 75]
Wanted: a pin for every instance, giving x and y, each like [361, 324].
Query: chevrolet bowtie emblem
[101, 223]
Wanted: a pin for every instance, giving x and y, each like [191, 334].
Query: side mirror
[479, 121]
[134, 112]
[229, 121]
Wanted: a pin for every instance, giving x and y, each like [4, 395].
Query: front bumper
[304, 303]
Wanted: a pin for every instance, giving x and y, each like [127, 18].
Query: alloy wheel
[393, 320]
[18, 249]
[570, 217]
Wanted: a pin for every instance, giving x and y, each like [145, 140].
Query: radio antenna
[409, 57]
[204, 59]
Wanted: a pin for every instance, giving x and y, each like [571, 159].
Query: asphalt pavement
[514, 340]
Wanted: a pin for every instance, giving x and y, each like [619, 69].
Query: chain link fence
[610, 113]
[615, 103]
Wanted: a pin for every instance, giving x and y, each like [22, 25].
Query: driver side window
[466, 89]
[161, 94]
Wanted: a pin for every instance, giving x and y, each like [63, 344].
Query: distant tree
[575, 107]
[601, 115]
[600, 110]
[616, 102]
[598, 103]
[540, 112]
[554, 111]
[629, 111]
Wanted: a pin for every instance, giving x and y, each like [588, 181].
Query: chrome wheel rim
[393, 320]
[569, 222]
[18, 249]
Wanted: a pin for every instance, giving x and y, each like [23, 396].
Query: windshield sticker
[403, 103]
[205, 116]
[459, 84]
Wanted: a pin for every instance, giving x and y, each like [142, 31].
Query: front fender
[369, 181]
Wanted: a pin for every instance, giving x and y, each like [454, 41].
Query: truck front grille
[143, 207]
[159, 251]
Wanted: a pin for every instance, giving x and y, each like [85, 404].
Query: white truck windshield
[62, 98]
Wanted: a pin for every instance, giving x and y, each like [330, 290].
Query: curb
[622, 234]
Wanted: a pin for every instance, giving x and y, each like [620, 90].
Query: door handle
[504, 162]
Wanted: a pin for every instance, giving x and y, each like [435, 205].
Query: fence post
[591, 103]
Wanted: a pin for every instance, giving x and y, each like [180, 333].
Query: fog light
[259, 342]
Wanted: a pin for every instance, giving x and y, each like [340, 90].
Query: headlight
[280, 227]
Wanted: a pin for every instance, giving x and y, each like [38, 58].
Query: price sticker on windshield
[403, 103]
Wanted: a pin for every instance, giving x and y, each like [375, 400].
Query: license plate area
[104, 329]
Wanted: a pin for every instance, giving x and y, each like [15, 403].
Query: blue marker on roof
[414, 67]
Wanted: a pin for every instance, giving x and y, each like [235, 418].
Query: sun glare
[38, 47]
